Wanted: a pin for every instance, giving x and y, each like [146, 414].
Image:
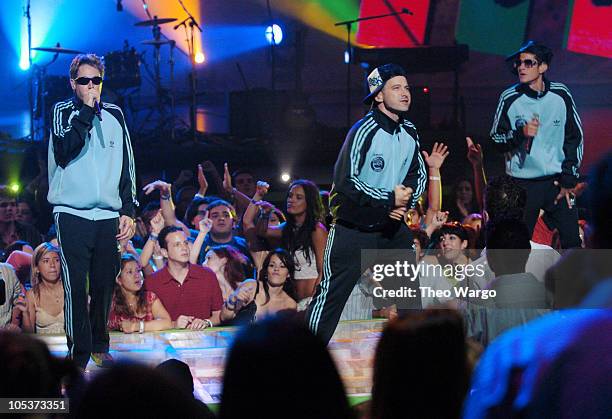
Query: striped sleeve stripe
[500, 106]
[57, 118]
[320, 299]
[422, 176]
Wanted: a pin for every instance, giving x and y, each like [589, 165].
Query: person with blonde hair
[45, 300]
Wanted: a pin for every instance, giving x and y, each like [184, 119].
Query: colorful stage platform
[352, 349]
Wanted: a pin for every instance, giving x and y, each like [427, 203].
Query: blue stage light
[274, 33]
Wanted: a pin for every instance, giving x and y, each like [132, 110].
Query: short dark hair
[504, 198]
[511, 236]
[86, 59]
[454, 228]
[242, 171]
[192, 209]
[222, 203]
[421, 236]
[164, 233]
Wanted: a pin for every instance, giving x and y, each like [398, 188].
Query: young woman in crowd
[303, 235]
[273, 292]
[133, 309]
[45, 300]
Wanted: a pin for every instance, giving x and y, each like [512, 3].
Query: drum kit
[122, 72]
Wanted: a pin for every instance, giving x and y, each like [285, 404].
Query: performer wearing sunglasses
[92, 188]
[538, 128]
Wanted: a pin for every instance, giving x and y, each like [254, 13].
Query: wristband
[165, 197]
[208, 322]
[229, 306]
[434, 178]
[141, 327]
[153, 236]
[198, 195]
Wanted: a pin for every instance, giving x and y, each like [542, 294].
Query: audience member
[303, 235]
[421, 367]
[12, 298]
[135, 391]
[135, 309]
[28, 369]
[179, 372]
[288, 362]
[12, 230]
[519, 296]
[189, 292]
[45, 300]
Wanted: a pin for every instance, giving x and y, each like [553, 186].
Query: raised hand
[157, 223]
[205, 224]
[439, 153]
[439, 219]
[474, 153]
[227, 179]
[261, 189]
[160, 185]
[202, 180]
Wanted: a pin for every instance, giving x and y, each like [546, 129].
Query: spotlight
[274, 33]
[24, 63]
[425, 90]
[285, 177]
[14, 187]
[347, 57]
[199, 57]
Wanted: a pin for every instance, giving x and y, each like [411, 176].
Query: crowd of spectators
[201, 260]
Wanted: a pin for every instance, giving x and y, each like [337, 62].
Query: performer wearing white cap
[378, 176]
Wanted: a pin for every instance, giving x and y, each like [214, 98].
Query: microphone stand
[349, 24]
[192, 22]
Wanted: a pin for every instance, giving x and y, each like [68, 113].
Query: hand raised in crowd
[439, 219]
[157, 223]
[474, 152]
[202, 181]
[531, 129]
[265, 206]
[128, 247]
[127, 228]
[164, 188]
[205, 224]
[227, 179]
[183, 321]
[439, 153]
[402, 195]
[244, 293]
[261, 189]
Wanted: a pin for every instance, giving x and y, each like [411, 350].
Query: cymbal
[57, 50]
[156, 21]
[156, 42]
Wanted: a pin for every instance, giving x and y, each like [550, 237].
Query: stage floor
[352, 348]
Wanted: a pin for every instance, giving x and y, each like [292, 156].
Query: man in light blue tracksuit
[93, 192]
[538, 128]
[378, 176]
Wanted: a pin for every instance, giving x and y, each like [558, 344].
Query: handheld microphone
[97, 110]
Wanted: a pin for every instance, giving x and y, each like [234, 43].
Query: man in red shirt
[190, 293]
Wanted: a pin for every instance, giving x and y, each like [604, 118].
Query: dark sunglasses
[528, 63]
[84, 81]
